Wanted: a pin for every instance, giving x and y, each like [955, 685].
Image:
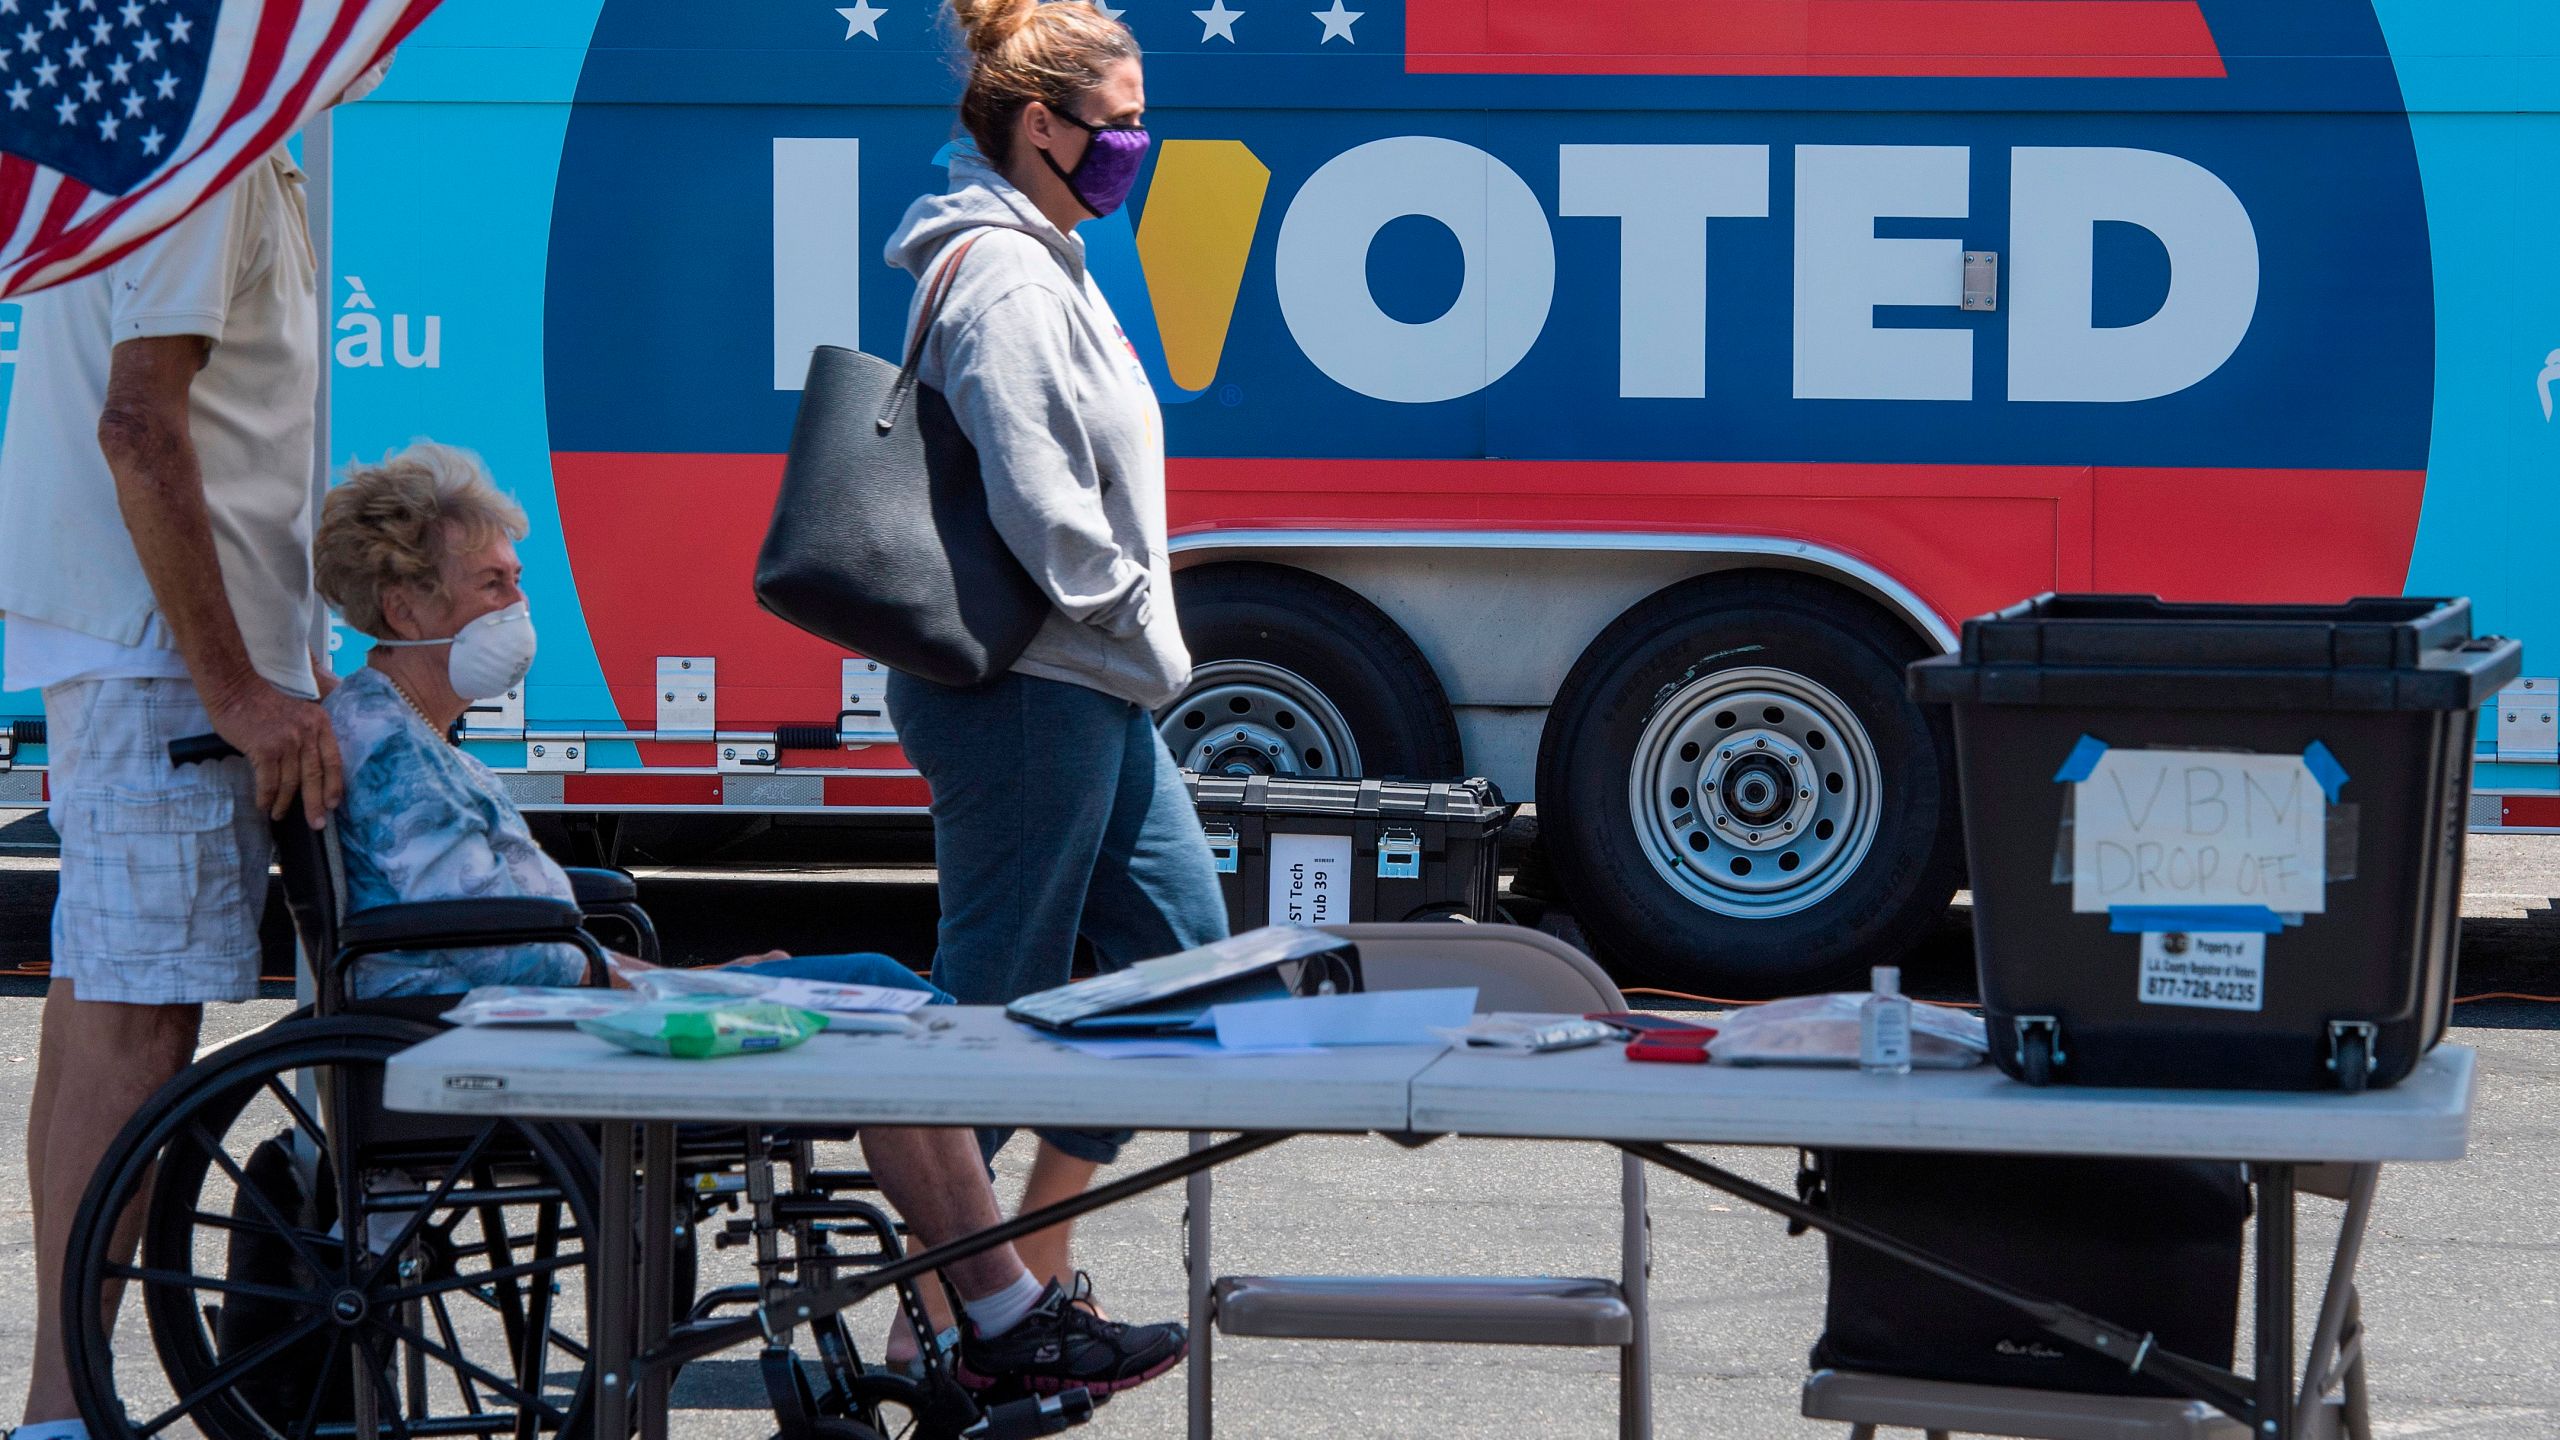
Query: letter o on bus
[1322, 265]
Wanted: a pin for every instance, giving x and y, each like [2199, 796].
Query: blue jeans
[1057, 812]
[862, 969]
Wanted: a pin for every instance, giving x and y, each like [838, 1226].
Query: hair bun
[989, 23]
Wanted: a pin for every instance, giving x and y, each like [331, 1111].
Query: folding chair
[1940, 1409]
[1512, 969]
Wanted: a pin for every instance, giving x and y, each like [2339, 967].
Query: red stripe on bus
[2142, 39]
[1966, 538]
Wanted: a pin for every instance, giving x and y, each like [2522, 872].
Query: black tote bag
[880, 540]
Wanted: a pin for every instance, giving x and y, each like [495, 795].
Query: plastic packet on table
[705, 1029]
[1524, 1035]
[1823, 1030]
[537, 1005]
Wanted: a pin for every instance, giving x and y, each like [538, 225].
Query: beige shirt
[239, 272]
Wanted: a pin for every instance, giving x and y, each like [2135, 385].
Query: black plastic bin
[2150, 1244]
[2142, 785]
[1351, 851]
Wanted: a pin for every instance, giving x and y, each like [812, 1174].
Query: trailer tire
[1737, 795]
[1287, 666]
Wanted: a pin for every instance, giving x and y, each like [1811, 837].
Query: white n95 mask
[490, 656]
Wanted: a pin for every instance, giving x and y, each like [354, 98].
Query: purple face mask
[1102, 180]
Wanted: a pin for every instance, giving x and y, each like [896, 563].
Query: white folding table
[972, 1067]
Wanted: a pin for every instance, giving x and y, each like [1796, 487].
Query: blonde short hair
[393, 523]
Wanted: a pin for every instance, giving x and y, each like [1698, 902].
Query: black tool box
[2154, 1245]
[1323, 852]
[2216, 845]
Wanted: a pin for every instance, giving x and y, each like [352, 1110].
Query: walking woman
[1057, 811]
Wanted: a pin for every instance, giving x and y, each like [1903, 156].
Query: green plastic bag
[706, 1029]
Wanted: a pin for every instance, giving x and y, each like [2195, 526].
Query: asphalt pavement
[2462, 1274]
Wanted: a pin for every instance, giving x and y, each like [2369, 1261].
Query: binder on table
[1174, 993]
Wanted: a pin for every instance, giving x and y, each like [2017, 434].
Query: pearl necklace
[414, 707]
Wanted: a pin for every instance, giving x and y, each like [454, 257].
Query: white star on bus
[862, 18]
[1218, 21]
[1337, 22]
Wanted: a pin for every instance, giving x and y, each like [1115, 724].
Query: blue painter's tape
[2208, 919]
[2325, 769]
[2081, 762]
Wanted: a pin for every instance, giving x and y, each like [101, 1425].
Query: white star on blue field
[101, 90]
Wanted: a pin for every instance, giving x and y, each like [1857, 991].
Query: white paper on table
[1384, 1017]
[837, 999]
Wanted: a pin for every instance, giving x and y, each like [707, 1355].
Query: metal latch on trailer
[688, 695]
[1981, 280]
[1224, 847]
[2529, 721]
[1399, 855]
[14, 734]
[747, 753]
[863, 717]
[561, 751]
[501, 718]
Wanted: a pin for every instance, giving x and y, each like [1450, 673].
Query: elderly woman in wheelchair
[312, 1263]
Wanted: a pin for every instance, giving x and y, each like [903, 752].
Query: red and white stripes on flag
[273, 65]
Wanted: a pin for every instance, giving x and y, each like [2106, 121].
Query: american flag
[117, 117]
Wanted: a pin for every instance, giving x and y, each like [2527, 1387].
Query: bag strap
[936, 296]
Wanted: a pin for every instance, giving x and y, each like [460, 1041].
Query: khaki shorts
[164, 870]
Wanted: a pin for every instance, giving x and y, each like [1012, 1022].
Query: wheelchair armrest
[596, 887]
[461, 924]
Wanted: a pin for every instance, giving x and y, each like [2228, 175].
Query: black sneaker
[1063, 1345]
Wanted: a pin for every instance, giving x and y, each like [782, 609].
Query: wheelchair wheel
[308, 1256]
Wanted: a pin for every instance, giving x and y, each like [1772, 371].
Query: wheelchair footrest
[1036, 1416]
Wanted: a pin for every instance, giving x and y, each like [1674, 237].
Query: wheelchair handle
[194, 749]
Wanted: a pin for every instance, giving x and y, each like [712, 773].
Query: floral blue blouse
[424, 821]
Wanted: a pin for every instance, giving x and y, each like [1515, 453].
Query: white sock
[992, 1315]
[53, 1430]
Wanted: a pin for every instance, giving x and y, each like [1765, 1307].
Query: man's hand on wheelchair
[289, 742]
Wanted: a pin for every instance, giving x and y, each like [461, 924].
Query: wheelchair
[313, 1264]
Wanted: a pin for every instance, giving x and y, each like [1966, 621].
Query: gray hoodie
[1068, 432]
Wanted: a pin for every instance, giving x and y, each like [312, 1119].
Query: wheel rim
[1247, 717]
[1755, 792]
[444, 1312]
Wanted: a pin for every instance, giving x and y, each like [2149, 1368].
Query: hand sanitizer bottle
[1884, 1025]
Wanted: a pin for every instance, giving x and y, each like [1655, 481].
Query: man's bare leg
[936, 1180]
[1055, 1176]
[95, 1065]
[1019, 1330]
